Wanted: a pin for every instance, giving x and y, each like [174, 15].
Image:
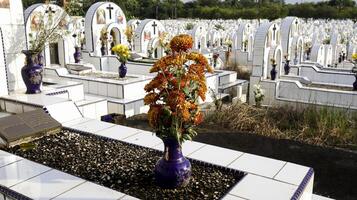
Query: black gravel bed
[123, 167]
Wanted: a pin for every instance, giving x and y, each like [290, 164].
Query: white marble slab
[64, 111]
[188, 147]
[216, 155]
[7, 158]
[127, 197]
[261, 188]
[258, 165]
[2, 114]
[292, 173]
[20, 171]
[118, 132]
[232, 197]
[318, 197]
[90, 191]
[93, 126]
[47, 185]
[144, 138]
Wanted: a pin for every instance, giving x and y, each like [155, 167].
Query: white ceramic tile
[90, 191]
[127, 197]
[261, 188]
[47, 185]
[93, 126]
[188, 147]
[216, 155]
[144, 138]
[103, 89]
[113, 90]
[231, 197]
[118, 132]
[93, 87]
[64, 111]
[318, 197]
[7, 158]
[76, 122]
[20, 171]
[292, 173]
[258, 165]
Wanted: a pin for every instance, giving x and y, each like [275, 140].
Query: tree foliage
[228, 9]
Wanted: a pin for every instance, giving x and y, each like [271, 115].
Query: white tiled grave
[266, 178]
[37, 181]
[275, 179]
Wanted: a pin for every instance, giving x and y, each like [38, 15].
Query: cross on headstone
[50, 10]
[137, 23]
[110, 8]
[154, 26]
[274, 29]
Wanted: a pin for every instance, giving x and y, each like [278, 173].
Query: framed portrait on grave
[120, 17]
[35, 21]
[101, 16]
[4, 3]
[147, 35]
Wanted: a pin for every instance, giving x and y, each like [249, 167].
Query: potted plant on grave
[173, 96]
[50, 28]
[258, 95]
[104, 41]
[354, 70]
[286, 65]
[273, 71]
[123, 52]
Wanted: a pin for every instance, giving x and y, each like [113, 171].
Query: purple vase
[173, 170]
[355, 84]
[273, 72]
[77, 54]
[287, 67]
[32, 73]
[122, 70]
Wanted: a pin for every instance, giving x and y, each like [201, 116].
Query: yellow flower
[354, 56]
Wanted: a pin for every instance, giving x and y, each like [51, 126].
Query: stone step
[318, 197]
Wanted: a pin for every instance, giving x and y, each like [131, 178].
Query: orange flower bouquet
[173, 97]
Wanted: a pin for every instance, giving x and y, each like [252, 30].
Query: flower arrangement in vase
[273, 71]
[104, 41]
[129, 33]
[123, 52]
[258, 95]
[286, 65]
[50, 28]
[354, 70]
[173, 96]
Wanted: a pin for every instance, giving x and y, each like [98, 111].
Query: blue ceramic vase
[355, 84]
[173, 170]
[122, 70]
[287, 67]
[273, 72]
[32, 73]
[77, 55]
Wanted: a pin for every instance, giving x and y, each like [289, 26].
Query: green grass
[313, 125]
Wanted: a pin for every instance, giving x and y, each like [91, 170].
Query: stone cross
[50, 10]
[154, 26]
[110, 8]
[274, 29]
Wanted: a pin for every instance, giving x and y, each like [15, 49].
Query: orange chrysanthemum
[181, 43]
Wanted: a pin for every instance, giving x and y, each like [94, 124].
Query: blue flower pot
[32, 73]
[287, 67]
[173, 170]
[77, 55]
[273, 72]
[122, 70]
